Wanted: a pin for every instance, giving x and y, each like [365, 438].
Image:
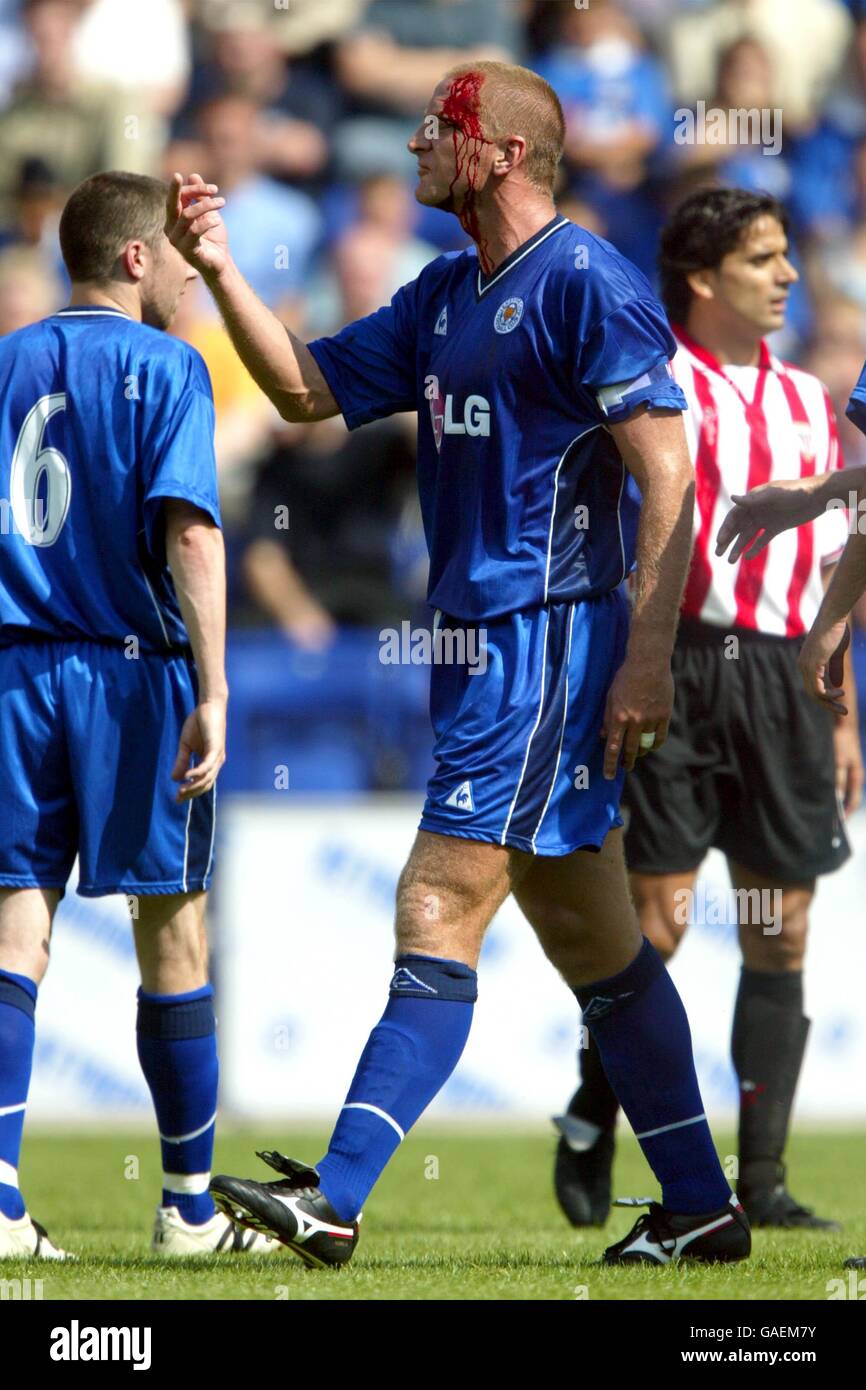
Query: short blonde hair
[516, 101]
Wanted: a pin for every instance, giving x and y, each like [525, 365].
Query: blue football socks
[640, 1026]
[17, 1032]
[409, 1056]
[178, 1055]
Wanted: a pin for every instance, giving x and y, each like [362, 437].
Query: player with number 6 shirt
[112, 680]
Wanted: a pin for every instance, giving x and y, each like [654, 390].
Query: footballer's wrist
[217, 695]
[823, 491]
[221, 277]
[650, 645]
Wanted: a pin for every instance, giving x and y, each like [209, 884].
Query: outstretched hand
[193, 223]
[757, 516]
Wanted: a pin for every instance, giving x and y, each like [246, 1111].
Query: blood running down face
[454, 155]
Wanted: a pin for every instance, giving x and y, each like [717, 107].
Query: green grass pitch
[458, 1215]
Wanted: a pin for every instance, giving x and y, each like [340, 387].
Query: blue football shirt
[515, 377]
[101, 418]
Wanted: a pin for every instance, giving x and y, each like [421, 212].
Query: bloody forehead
[462, 104]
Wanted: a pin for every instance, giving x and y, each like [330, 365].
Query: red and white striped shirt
[745, 426]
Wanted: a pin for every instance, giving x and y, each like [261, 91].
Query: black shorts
[748, 766]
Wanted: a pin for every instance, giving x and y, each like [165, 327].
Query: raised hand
[193, 223]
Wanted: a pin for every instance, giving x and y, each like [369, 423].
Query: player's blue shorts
[88, 740]
[518, 743]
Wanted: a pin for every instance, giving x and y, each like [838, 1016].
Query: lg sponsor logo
[476, 413]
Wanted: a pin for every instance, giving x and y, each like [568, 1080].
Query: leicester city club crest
[508, 315]
[437, 412]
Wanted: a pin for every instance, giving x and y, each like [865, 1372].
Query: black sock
[768, 1041]
[594, 1100]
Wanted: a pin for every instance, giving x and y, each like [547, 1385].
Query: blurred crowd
[300, 110]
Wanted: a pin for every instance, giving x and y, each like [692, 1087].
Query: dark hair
[104, 213]
[703, 230]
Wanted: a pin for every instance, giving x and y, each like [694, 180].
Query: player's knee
[665, 942]
[424, 899]
[779, 944]
[171, 943]
[22, 954]
[435, 920]
[776, 951]
[417, 897]
[659, 923]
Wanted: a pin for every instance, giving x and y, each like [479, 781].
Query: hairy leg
[449, 892]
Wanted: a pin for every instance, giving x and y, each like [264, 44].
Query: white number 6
[40, 523]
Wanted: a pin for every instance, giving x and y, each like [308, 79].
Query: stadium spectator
[354, 552]
[36, 214]
[745, 81]
[26, 292]
[297, 108]
[836, 355]
[274, 229]
[613, 93]
[839, 261]
[54, 117]
[390, 63]
[304, 28]
[584, 214]
[808, 40]
[371, 260]
[858, 14]
[14, 53]
[617, 112]
[655, 15]
[353, 520]
[154, 68]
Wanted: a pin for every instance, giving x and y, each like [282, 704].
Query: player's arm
[278, 361]
[277, 585]
[820, 659]
[757, 516]
[847, 751]
[761, 514]
[196, 557]
[655, 451]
